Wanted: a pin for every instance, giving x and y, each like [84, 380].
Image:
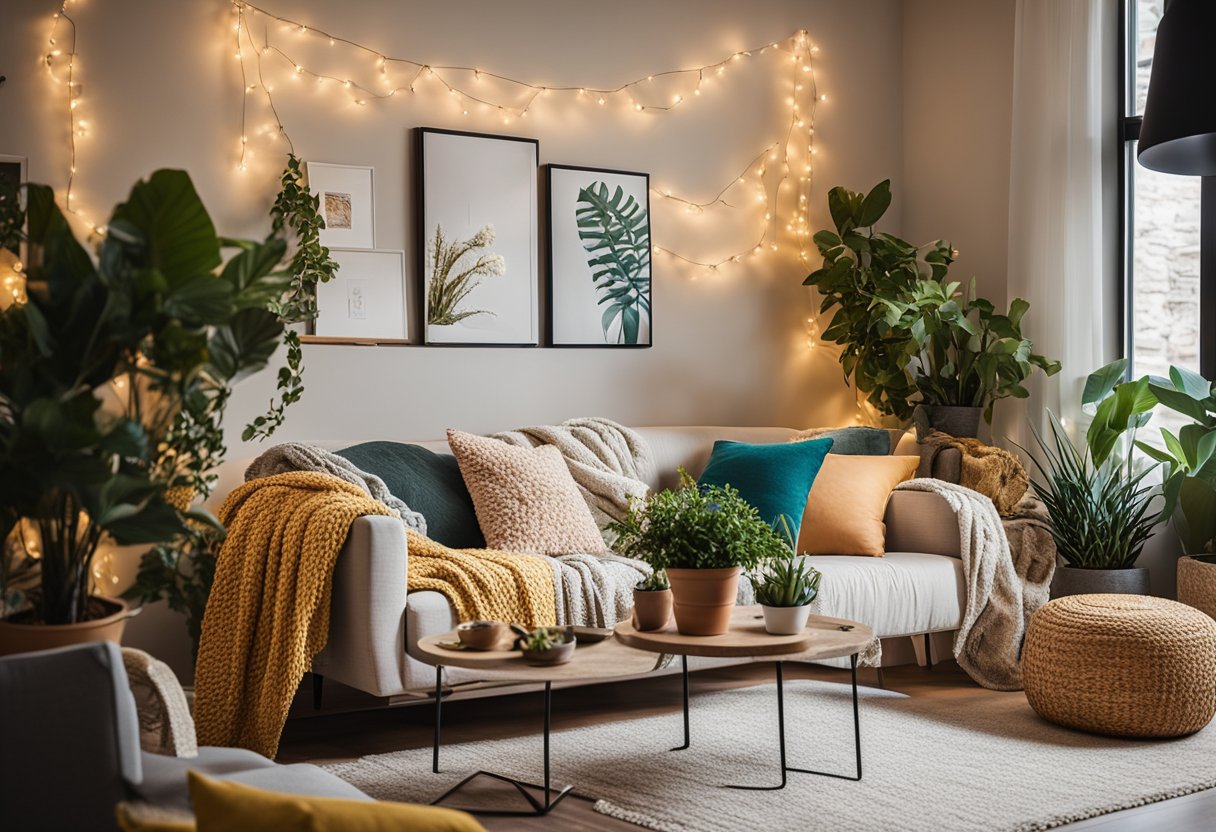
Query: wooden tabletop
[823, 638]
[604, 659]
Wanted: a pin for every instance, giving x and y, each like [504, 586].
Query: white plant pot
[786, 621]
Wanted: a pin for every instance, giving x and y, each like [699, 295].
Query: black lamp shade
[1178, 134]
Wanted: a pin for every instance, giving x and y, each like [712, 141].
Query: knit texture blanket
[1000, 598]
[595, 590]
[268, 612]
[297, 456]
[484, 583]
[993, 472]
[610, 463]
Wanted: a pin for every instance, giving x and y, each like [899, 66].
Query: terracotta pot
[24, 638]
[651, 608]
[703, 599]
[786, 621]
[1197, 582]
[1070, 580]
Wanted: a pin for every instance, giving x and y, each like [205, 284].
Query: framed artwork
[477, 230]
[365, 303]
[12, 174]
[347, 204]
[599, 257]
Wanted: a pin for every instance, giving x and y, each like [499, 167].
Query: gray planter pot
[1070, 580]
[961, 422]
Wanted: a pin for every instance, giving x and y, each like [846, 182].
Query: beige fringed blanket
[1004, 588]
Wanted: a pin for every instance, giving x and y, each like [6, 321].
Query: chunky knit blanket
[485, 583]
[595, 590]
[994, 472]
[298, 456]
[268, 612]
[1001, 594]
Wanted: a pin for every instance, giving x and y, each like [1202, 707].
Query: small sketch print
[356, 300]
[337, 210]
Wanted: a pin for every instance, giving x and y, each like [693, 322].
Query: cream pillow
[847, 502]
[525, 498]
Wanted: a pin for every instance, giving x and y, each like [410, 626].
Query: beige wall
[958, 102]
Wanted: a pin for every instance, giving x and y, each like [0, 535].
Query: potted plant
[785, 588]
[116, 373]
[703, 537]
[1100, 498]
[548, 645]
[910, 339]
[652, 601]
[1190, 481]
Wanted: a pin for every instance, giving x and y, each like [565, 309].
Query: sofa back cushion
[427, 482]
[852, 441]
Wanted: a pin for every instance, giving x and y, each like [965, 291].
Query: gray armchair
[70, 747]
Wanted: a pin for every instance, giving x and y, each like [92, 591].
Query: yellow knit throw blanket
[268, 612]
[485, 583]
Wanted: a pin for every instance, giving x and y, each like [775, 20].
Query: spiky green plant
[451, 282]
[786, 581]
[615, 230]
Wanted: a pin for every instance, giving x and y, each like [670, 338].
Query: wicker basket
[1124, 665]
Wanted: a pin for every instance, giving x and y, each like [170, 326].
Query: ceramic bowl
[482, 635]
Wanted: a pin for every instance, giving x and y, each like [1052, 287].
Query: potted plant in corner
[704, 537]
[1190, 481]
[115, 375]
[785, 588]
[1100, 499]
[652, 601]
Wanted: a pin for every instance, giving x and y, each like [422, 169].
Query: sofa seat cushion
[164, 780]
[901, 594]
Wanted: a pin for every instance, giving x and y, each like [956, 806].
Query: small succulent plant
[656, 581]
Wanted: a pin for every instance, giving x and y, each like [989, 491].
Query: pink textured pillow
[525, 498]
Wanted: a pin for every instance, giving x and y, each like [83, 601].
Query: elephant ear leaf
[615, 230]
[167, 211]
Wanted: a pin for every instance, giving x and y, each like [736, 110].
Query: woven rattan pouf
[1124, 665]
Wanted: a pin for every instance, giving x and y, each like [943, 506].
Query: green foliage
[656, 581]
[446, 291]
[696, 527]
[1100, 502]
[544, 638]
[181, 573]
[908, 335]
[787, 581]
[615, 230]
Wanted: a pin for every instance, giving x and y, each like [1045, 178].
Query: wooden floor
[349, 727]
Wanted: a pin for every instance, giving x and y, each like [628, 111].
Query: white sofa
[917, 588]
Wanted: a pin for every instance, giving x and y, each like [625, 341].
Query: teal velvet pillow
[776, 479]
[427, 482]
[859, 441]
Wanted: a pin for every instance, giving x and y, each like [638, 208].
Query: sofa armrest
[366, 647]
[921, 521]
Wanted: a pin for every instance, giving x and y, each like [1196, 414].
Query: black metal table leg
[684, 667]
[538, 808]
[928, 651]
[780, 737]
[438, 717]
[856, 736]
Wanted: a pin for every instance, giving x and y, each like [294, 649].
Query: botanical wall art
[599, 257]
[478, 238]
[346, 197]
[366, 300]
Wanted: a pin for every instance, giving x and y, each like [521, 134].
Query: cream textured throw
[595, 590]
[610, 462]
[999, 600]
[297, 456]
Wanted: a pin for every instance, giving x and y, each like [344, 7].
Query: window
[1169, 231]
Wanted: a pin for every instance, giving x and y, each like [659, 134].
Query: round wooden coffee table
[605, 659]
[823, 638]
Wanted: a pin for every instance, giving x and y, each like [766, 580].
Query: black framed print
[599, 276]
[12, 176]
[478, 238]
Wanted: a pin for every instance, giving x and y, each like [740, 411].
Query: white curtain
[1062, 143]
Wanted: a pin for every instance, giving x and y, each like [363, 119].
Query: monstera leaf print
[615, 230]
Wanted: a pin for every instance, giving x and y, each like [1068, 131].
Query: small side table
[823, 638]
[605, 659]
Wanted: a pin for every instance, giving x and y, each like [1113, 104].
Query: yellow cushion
[222, 806]
[144, 817]
[847, 502]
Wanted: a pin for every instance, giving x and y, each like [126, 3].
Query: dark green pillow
[776, 479]
[427, 482]
[859, 441]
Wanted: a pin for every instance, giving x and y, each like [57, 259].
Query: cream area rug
[930, 765]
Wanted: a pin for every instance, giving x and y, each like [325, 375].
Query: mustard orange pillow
[844, 511]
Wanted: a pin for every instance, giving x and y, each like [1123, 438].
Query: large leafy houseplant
[116, 372]
[909, 336]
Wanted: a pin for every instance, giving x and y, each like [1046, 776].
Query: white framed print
[347, 202]
[365, 302]
[478, 238]
[599, 279]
